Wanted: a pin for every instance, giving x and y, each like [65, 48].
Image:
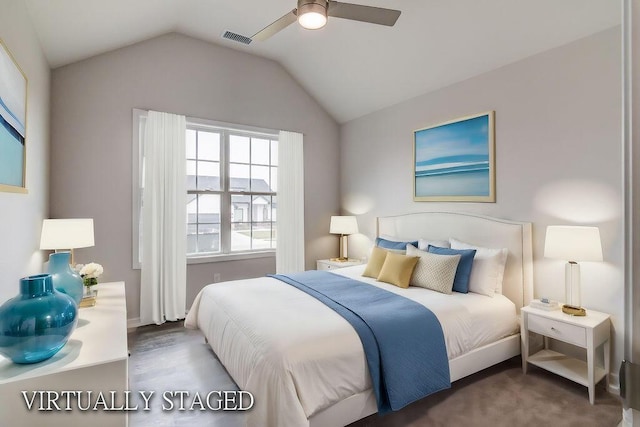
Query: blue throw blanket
[402, 340]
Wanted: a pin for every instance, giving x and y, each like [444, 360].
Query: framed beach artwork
[13, 118]
[454, 161]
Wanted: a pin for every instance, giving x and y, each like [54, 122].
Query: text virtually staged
[168, 400]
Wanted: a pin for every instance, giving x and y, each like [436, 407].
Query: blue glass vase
[37, 323]
[64, 278]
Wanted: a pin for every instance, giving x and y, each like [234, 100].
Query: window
[232, 180]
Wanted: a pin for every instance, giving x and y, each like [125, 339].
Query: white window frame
[138, 121]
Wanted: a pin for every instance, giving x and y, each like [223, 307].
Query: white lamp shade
[573, 243]
[67, 233]
[343, 225]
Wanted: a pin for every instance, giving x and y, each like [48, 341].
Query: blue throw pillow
[461, 280]
[394, 246]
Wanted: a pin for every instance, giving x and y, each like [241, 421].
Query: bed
[305, 364]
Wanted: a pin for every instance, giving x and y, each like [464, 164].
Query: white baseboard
[630, 418]
[614, 384]
[133, 323]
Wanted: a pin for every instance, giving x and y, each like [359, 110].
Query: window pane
[274, 152]
[191, 143]
[260, 179]
[209, 176]
[208, 208]
[192, 208]
[208, 146]
[261, 235]
[261, 208]
[240, 208]
[239, 149]
[191, 175]
[192, 238]
[273, 234]
[238, 177]
[203, 223]
[259, 151]
[240, 236]
[274, 179]
[274, 204]
[208, 238]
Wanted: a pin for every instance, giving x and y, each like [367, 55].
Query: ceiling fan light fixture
[312, 16]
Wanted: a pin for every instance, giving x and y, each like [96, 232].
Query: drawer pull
[554, 329]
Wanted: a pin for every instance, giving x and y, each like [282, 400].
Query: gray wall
[558, 159]
[91, 130]
[21, 215]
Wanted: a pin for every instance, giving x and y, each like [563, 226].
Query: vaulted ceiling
[351, 68]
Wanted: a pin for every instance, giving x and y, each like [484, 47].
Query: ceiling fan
[312, 14]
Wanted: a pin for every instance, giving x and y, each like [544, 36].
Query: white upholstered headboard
[478, 230]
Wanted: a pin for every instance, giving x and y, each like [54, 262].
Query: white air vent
[236, 37]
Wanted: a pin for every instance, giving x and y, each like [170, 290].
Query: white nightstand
[327, 264]
[590, 332]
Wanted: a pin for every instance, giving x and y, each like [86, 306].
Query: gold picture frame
[454, 161]
[13, 123]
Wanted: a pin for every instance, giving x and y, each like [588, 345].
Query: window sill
[230, 257]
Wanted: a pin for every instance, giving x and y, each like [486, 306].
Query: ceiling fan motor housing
[318, 6]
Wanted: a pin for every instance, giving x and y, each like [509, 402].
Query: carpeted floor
[169, 357]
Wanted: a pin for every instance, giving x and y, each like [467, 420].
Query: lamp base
[340, 259]
[572, 284]
[574, 310]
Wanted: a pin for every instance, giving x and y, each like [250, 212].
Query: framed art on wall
[455, 161]
[13, 118]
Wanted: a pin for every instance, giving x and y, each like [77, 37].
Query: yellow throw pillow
[374, 265]
[397, 269]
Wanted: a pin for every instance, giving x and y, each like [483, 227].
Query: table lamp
[67, 234]
[343, 225]
[573, 244]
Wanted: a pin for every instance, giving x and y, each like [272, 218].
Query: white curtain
[164, 238]
[290, 219]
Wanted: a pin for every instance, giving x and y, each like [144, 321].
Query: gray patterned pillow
[435, 272]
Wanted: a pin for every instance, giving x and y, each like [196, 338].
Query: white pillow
[487, 272]
[433, 271]
[423, 244]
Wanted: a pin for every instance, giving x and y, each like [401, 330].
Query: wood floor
[170, 357]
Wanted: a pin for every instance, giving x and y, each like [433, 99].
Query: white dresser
[95, 358]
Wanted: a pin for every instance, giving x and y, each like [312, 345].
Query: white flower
[78, 268]
[91, 271]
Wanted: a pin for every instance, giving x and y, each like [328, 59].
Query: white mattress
[298, 356]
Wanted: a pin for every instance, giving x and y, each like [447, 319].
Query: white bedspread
[297, 356]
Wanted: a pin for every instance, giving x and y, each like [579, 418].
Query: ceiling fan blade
[276, 26]
[356, 12]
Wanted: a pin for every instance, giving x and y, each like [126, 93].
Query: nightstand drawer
[325, 266]
[554, 329]
[328, 264]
